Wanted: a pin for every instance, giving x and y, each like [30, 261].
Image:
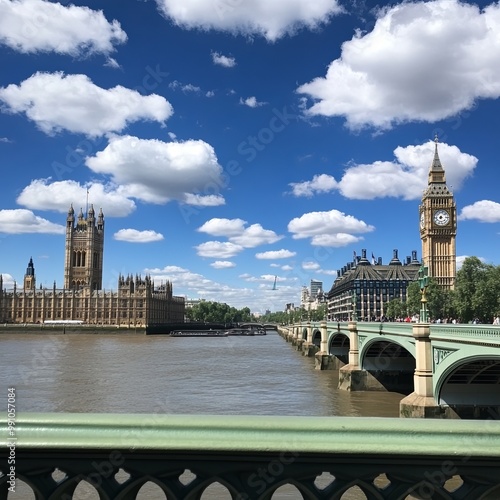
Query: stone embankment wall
[69, 329]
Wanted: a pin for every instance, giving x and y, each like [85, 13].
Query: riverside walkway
[447, 370]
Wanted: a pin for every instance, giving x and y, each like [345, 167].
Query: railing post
[421, 403]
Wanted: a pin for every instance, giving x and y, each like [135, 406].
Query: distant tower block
[84, 250]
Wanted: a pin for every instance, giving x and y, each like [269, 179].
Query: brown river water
[260, 375]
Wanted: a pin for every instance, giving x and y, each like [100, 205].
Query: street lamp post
[423, 280]
[354, 315]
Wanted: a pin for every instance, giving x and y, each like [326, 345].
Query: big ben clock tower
[438, 226]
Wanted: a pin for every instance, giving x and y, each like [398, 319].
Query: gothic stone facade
[135, 303]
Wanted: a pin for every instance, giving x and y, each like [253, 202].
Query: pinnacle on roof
[436, 172]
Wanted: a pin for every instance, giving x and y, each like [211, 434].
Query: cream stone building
[438, 226]
[135, 303]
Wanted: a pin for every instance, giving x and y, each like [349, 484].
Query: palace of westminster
[361, 287]
[136, 302]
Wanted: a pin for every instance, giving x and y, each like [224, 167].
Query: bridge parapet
[252, 457]
[488, 333]
[453, 369]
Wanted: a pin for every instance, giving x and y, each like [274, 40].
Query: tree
[414, 297]
[477, 291]
[396, 308]
[470, 278]
[217, 312]
[439, 301]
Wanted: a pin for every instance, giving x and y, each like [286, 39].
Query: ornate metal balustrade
[251, 457]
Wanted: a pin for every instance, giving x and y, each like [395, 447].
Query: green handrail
[388, 436]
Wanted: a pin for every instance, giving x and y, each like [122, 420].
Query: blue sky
[231, 141]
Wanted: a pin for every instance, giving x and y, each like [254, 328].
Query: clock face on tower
[422, 220]
[441, 217]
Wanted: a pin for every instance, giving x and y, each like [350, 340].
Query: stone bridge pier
[388, 373]
[421, 402]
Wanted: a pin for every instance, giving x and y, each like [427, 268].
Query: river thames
[126, 373]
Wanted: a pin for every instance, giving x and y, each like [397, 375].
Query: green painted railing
[251, 457]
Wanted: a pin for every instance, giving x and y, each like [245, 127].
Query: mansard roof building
[137, 302]
[363, 288]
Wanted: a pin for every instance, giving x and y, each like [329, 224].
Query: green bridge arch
[454, 366]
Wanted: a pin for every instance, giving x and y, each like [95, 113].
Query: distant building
[363, 289]
[316, 288]
[312, 298]
[136, 302]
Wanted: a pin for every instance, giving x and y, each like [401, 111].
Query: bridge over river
[446, 370]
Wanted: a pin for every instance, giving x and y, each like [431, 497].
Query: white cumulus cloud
[49, 100]
[332, 229]
[310, 266]
[405, 177]
[181, 171]
[20, 220]
[221, 60]
[322, 183]
[276, 254]
[251, 102]
[222, 264]
[209, 200]
[30, 26]
[236, 232]
[135, 236]
[218, 249]
[250, 17]
[482, 211]
[223, 227]
[422, 61]
[42, 194]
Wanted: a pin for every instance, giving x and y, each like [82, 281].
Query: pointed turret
[100, 221]
[29, 277]
[70, 220]
[436, 185]
[81, 218]
[30, 270]
[436, 172]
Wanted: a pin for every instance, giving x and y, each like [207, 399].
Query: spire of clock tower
[436, 172]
